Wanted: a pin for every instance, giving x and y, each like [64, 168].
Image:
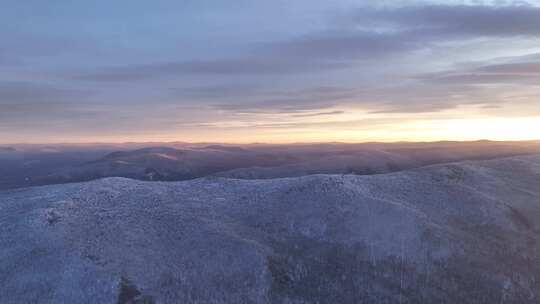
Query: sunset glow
[212, 71]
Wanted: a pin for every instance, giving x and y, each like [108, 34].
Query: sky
[268, 71]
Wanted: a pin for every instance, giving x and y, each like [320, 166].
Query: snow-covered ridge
[456, 233]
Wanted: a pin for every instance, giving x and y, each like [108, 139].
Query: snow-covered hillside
[455, 233]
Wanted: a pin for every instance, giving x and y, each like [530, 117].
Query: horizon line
[267, 143]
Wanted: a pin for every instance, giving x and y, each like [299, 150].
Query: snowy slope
[458, 233]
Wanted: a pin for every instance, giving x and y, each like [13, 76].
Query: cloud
[478, 78]
[295, 101]
[343, 45]
[26, 104]
[373, 33]
[354, 124]
[376, 59]
[519, 68]
[28, 92]
[238, 67]
[517, 71]
[222, 91]
[456, 21]
[328, 113]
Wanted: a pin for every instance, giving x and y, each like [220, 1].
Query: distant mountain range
[42, 165]
[462, 232]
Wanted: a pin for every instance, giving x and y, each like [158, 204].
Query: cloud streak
[412, 59]
[28, 92]
[372, 34]
[456, 21]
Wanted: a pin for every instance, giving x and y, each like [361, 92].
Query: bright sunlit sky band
[268, 71]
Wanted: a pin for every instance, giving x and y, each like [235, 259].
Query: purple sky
[274, 71]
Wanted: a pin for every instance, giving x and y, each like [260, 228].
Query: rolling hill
[463, 232]
[275, 161]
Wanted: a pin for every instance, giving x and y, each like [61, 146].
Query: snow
[456, 233]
